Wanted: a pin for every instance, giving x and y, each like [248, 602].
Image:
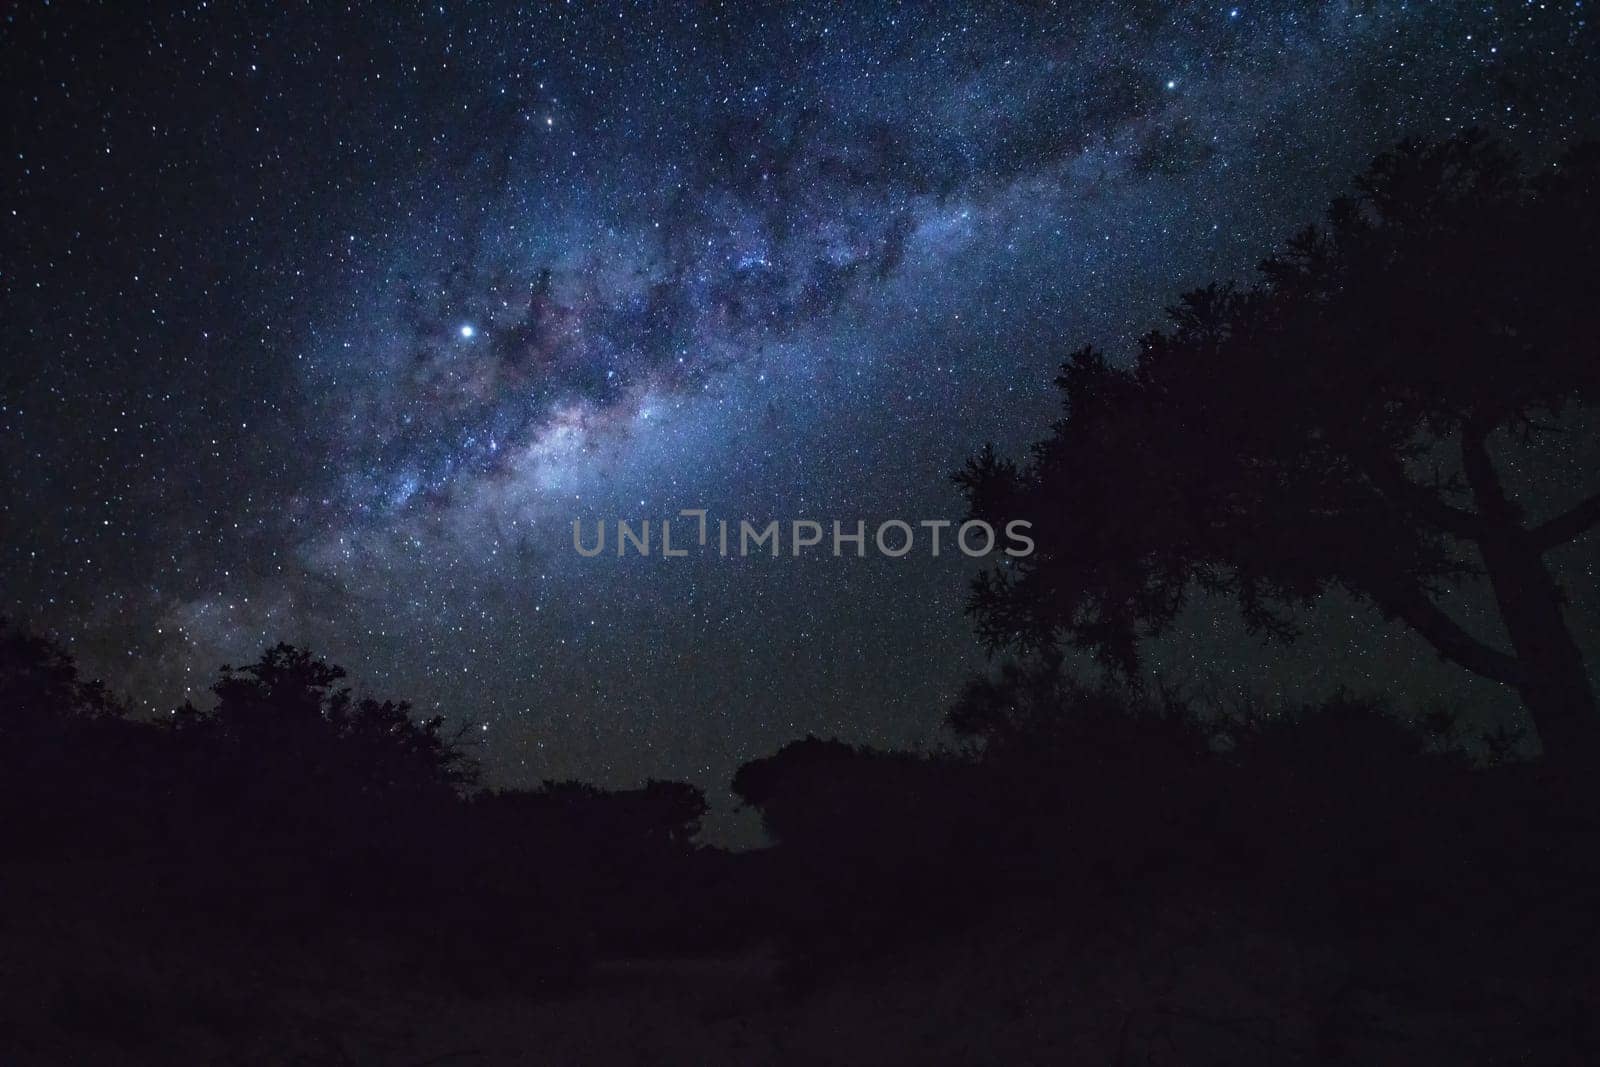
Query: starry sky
[323, 323]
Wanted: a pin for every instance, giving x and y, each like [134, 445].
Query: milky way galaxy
[325, 326]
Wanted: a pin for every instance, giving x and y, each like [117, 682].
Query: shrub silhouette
[44, 693]
[285, 727]
[68, 754]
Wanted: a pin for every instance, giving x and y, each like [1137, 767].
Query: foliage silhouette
[1347, 421]
[65, 743]
[295, 805]
[295, 829]
[286, 716]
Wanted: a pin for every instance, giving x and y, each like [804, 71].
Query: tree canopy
[1346, 421]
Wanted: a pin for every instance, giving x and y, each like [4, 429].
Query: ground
[1202, 982]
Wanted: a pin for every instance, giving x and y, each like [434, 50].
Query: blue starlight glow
[563, 262]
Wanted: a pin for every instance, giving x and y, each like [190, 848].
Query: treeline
[1337, 817]
[344, 838]
[292, 805]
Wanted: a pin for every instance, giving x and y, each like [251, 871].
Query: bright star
[467, 330]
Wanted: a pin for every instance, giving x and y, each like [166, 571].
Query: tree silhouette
[286, 732]
[40, 683]
[67, 750]
[1349, 421]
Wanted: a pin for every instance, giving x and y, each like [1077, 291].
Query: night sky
[324, 324]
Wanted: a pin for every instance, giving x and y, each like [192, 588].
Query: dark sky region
[323, 324]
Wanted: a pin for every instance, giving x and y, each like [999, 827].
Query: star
[468, 331]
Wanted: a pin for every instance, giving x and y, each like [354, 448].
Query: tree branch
[1487, 490]
[1390, 479]
[1413, 607]
[1569, 525]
